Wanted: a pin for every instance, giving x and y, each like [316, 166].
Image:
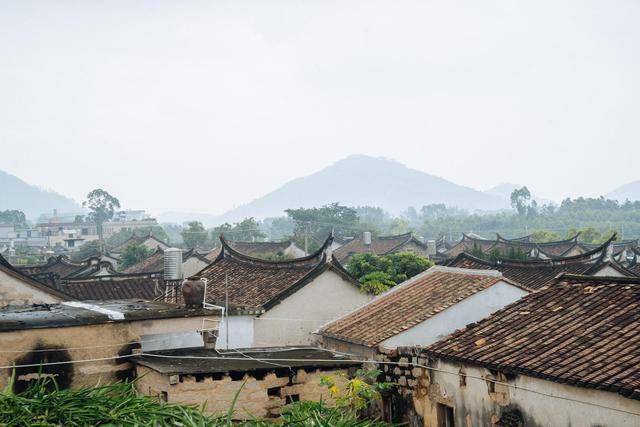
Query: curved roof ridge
[521, 239]
[396, 236]
[228, 250]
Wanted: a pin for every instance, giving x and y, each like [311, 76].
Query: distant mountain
[505, 189]
[362, 180]
[32, 200]
[630, 191]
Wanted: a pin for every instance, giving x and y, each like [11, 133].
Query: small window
[292, 398]
[273, 392]
[445, 416]
[491, 385]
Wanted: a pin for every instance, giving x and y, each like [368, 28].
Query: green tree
[247, 230]
[544, 236]
[135, 253]
[521, 201]
[194, 235]
[376, 274]
[313, 225]
[15, 218]
[87, 250]
[102, 206]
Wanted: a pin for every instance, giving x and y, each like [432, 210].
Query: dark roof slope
[153, 264]
[379, 246]
[62, 267]
[130, 286]
[408, 304]
[254, 283]
[583, 331]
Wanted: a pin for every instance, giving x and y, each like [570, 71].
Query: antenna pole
[226, 308]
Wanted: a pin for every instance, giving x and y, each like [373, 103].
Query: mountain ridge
[360, 180]
[30, 199]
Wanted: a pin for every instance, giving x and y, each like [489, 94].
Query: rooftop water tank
[173, 264]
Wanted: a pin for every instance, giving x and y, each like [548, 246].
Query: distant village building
[263, 387]
[525, 248]
[421, 310]
[71, 231]
[536, 274]
[383, 245]
[192, 263]
[276, 303]
[105, 332]
[264, 250]
[149, 241]
[18, 288]
[566, 355]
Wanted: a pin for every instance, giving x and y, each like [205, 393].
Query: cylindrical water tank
[366, 237]
[173, 264]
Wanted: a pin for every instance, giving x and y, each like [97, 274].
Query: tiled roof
[155, 263]
[139, 240]
[254, 249]
[524, 244]
[583, 331]
[145, 287]
[379, 246]
[7, 268]
[254, 283]
[63, 268]
[408, 304]
[532, 274]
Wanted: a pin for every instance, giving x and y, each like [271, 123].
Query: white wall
[472, 309]
[14, 291]
[473, 405]
[240, 332]
[292, 321]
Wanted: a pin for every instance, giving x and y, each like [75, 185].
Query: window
[292, 398]
[273, 392]
[445, 416]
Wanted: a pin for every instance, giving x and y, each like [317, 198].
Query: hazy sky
[203, 105]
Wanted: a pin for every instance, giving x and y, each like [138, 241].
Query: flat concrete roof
[233, 361]
[74, 313]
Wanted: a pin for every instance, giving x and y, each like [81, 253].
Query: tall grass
[43, 404]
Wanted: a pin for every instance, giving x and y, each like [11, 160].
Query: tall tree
[313, 225]
[194, 235]
[135, 253]
[520, 200]
[102, 206]
[13, 217]
[247, 230]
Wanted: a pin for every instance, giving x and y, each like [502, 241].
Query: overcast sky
[201, 106]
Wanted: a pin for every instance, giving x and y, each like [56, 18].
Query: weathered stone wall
[259, 396]
[101, 341]
[481, 397]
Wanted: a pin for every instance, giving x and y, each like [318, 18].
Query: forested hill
[33, 201]
[367, 181]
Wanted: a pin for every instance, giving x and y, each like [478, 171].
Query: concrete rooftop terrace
[205, 361]
[73, 313]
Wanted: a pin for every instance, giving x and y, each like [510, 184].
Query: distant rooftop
[67, 314]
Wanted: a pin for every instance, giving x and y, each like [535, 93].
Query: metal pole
[226, 308]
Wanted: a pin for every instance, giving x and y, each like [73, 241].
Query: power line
[368, 361]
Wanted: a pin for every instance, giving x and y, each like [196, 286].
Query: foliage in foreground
[42, 404]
